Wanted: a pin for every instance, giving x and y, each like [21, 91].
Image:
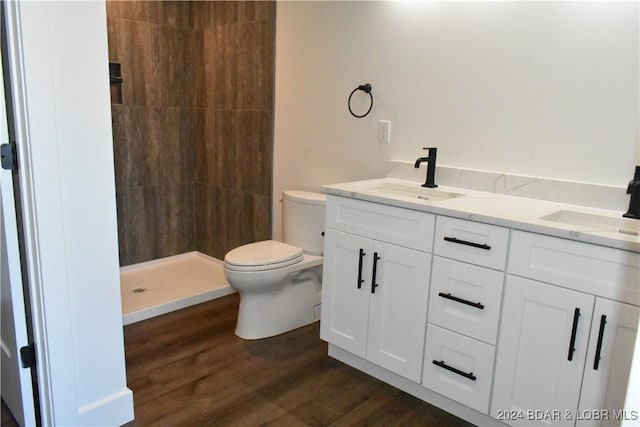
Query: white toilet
[280, 283]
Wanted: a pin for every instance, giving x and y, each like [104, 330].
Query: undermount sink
[596, 222]
[402, 190]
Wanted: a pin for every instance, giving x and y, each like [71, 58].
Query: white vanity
[491, 307]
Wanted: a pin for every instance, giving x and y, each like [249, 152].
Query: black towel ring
[366, 88]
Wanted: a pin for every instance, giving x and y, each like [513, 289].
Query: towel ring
[367, 89]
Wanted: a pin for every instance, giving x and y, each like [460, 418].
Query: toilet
[280, 282]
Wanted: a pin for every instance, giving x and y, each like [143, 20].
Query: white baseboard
[114, 410]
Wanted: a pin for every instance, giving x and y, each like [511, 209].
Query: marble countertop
[580, 223]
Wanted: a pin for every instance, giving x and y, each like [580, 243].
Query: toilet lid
[266, 253]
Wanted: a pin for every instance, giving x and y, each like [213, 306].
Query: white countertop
[509, 211]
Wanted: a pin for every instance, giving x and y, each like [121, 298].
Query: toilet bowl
[279, 283]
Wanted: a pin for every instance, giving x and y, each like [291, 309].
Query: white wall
[61, 88]
[547, 89]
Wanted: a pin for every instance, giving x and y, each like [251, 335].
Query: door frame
[17, 279]
[44, 303]
[58, 62]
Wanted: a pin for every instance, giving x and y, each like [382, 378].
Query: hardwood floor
[187, 368]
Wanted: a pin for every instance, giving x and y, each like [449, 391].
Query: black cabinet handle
[462, 301]
[360, 279]
[443, 365]
[574, 329]
[596, 361]
[374, 285]
[467, 243]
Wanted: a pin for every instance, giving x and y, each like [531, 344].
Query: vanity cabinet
[375, 292]
[562, 346]
[493, 324]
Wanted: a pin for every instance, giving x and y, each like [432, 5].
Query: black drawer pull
[464, 242]
[374, 285]
[454, 370]
[574, 329]
[596, 361]
[462, 301]
[360, 279]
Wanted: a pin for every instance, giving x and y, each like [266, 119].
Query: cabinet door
[535, 367]
[613, 335]
[398, 309]
[345, 306]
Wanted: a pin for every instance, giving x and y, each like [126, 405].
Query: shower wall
[192, 125]
[234, 99]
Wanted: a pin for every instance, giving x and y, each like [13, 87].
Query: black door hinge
[9, 157]
[28, 356]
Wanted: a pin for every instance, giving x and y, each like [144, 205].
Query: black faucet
[634, 201]
[431, 167]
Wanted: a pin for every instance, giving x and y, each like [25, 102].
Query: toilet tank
[303, 220]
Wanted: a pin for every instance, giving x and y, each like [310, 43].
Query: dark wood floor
[187, 368]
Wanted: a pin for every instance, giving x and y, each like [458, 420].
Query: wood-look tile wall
[193, 135]
[234, 98]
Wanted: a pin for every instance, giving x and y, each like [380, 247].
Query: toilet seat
[265, 255]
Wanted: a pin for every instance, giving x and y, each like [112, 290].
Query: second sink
[596, 222]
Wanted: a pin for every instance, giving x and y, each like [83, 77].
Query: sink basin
[404, 191]
[596, 222]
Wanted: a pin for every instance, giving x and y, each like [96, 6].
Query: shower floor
[160, 286]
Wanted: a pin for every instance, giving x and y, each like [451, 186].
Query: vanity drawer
[465, 298]
[403, 227]
[607, 272]
[458, 367]
[472, 242]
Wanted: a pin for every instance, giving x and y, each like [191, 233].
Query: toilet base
[282, 309]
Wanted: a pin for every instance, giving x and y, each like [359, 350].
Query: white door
[613, 335]
[536, 368]
[398, 309]
[16, 387]
[346, 279]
